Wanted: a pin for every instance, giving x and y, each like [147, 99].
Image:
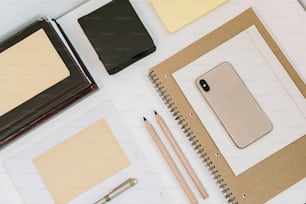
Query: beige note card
[176, 14]
[81, 162]
[28, 68]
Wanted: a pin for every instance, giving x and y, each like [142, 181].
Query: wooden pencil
[180, 155]
[170, 162]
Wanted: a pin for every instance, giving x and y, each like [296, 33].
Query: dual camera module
[204, 85]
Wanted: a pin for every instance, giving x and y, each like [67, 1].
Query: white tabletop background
[131, 91]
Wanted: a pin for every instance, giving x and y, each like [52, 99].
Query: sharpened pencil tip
[144, 119]
[155, 113]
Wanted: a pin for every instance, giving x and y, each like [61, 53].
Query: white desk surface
[133, 94]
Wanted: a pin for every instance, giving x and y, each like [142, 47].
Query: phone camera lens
[204, 85]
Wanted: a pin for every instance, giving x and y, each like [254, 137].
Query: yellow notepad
[176, 14]
[28, 68]
[81, 162]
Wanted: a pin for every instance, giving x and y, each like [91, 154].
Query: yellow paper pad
[81, 162]
[28, 68]
[176, 14]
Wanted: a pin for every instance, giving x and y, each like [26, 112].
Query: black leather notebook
[117, 35]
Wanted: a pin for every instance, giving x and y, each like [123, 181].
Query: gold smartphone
[233, 104]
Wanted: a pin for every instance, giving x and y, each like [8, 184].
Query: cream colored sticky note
[28, 68]
[81, 162]
[176, 14]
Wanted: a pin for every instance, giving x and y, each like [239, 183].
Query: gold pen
[116, 191]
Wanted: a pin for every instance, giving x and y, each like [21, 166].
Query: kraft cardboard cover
[267, 178]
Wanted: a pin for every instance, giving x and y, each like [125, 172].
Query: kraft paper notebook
[246, 43]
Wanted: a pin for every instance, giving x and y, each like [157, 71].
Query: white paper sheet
[148, 190]
[3, 196]
[268, 82]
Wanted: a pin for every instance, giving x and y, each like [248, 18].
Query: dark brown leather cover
[53, 99]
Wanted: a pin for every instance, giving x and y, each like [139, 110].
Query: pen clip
[130, 182]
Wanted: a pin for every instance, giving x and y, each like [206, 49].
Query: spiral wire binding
[192, 138]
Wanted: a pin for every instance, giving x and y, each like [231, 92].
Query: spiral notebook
[270, 176]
